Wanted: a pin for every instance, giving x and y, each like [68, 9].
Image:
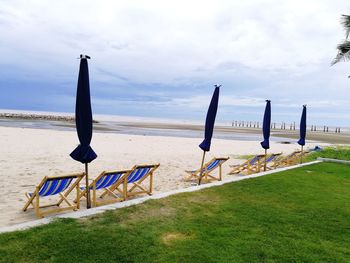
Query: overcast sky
[162, 58]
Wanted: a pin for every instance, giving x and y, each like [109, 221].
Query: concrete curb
[333, 160]
[101, 209]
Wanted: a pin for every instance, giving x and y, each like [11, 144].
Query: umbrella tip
[268, 100]
[217, 86]
[304, 105]
[84, 56]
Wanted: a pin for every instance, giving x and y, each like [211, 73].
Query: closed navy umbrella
[301, 141]
[266, 129]
[209, 126]
[83, 119]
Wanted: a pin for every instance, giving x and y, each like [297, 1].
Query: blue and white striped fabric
[138, 174]
[212, 165]
[271, 158]
[54, 186]
[254, 160]
[108, 179]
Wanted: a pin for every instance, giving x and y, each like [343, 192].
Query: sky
[162, 58]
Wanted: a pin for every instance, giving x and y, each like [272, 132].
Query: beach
[27, 155]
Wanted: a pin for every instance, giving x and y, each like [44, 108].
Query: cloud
[176, 51]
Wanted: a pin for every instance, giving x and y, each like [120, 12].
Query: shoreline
[185, 130]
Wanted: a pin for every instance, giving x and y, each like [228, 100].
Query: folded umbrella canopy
[301, 141]
[209, 126]
[266, 129]
[83, 119]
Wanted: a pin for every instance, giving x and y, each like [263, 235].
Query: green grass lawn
[333, 152]
[300, 215]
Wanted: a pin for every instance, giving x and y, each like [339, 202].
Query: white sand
[27, 155]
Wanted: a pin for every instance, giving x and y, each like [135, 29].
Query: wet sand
[331, 138]
[178, 129]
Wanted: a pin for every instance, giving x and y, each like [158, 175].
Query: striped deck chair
[49, 186]
[134, 177]
[290, 159]
[250, 166]
[272, 161]
[296, 158]
[301, 155]
[208, 168]
[103, 182]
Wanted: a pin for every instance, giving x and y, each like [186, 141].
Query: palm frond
[345, 21]
[343, 52]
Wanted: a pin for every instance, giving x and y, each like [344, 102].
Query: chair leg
[110, 189]
[37, 206]
[140, 187]
[65, 200]
[70, 189]
[94, 195]
[77, 198]
[150, 183]
[125, 189]
[29, 202]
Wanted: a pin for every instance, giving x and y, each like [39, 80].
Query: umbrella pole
[265, 160]
[88, 201]
[201, 172]
[301, 155]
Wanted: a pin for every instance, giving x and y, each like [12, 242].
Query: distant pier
[285, 126]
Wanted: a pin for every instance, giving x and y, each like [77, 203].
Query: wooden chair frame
[247, 167]
[93, 183]
[296, 158]
[290, 159]
[270, 165]
[125, 192]
[206, 175]
[34, 199]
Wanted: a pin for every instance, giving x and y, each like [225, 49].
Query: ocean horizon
[148, 126]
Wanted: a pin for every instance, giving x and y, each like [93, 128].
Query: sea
[133, 125]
